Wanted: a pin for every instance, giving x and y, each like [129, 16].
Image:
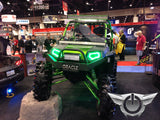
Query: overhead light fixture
[8, 3]
[130, 5]
[28, 0]
[87, 3]
[92, 9]
[109, 1]
[29, 9]
[152, 7]
[29, 14]
[12, 10]
[75, 10]
[151, 3]
[43, 13]
[111, 7]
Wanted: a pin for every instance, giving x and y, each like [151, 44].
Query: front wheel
[41, 88]
[106, 107]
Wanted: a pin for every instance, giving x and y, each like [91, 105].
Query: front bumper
[12, 79]
[75, 66]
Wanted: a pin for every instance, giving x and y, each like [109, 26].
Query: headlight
[55, 52]
[93, 55]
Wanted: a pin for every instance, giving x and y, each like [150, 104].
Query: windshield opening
[91, 32]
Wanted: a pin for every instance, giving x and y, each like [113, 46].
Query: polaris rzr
[84, 54]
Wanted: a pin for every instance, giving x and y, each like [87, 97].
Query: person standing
[49, 43]
[115, 39]
[28, 45]
[122, 40]
[15, 46]
[34, 42]
[140, 45]
[21, 44]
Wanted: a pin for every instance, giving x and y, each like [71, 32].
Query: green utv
[84, 54]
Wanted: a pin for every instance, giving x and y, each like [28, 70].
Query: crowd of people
[30, 43]
[120, 45]
[26, 45]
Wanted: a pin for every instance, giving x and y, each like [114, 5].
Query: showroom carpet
[79, 104]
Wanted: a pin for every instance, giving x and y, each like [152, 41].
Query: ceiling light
[151, 3]
[12, 10]
[152, 8]
[111, 7]
[29, 9]
[87, 3]
[130, 5]
[75, 10]
[43, 13]
[29, 14]
[28, 0]
[8, 3]
[61, 12]
[92, 9]
[109, 1]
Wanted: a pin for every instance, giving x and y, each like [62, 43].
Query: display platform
[130, 66]
[31, 109]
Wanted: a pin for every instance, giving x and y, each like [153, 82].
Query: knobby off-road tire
[42, 83]
[105, 109]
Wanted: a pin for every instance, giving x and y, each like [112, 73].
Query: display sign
[65, 7]
[151, 17]
[8, 18]
[112, 21]
[22, 22]
[78, 13]
[41, 6]
[4, 33]
[158, 26]
[1, 6]
[101, 17]
[38, 1]
[49, 19]
[149, 29]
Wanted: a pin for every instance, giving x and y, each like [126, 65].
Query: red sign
[65, 6]
[8, 18]
[78, 12]
[4, 34]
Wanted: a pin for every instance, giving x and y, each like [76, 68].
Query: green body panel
[82, 48]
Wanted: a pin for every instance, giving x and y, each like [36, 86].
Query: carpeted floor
[79, 104]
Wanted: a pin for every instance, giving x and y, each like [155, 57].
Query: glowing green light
[52, 58]
[55, 52]
[94, 55]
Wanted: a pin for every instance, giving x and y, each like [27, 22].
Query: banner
[41, 6]
[8, 18]
[78, 12]
[22, 22]
[65, 7]
[49, 19]
[39, 1]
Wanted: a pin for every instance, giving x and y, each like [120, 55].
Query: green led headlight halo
[94, 55]
[55, 52]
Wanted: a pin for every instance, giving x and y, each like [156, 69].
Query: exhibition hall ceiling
[25, 8]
